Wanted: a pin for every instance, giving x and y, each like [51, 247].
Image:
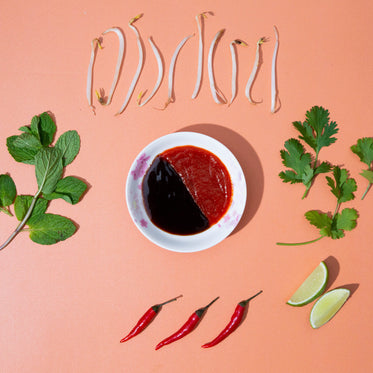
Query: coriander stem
[306, 192]
[23, 222]
[299, 243]
[366, 190]
[336, 210]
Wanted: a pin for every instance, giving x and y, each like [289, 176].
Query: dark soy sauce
[169, 203]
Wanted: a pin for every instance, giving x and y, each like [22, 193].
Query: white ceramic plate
[190, 243]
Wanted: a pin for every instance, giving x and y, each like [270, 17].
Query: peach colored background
[64, 308]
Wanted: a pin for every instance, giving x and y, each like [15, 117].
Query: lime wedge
[327, 306]
[312, 287]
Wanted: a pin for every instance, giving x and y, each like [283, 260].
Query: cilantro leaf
[317, 131]
[364, 150]
[368, 175]
[320, 220]
[342, 186]
[298, 160]
[346, 220]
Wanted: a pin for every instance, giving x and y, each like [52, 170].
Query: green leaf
[342, 186]
[34, 126]
[318, 219]
[364, 150]
[25, 129]
[323, 168]
[23, 148]
[23, 203]
[47, 128]
[8, 190]
[317, 131]
[69, 188]
[69, 144]
[346, 220]
[48, 169]
[368, 175]
[48, 229]
[294, 157]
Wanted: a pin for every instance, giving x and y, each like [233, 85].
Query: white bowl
[195, 242]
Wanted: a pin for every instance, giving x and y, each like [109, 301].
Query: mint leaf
[69, 144]
[23, 148]
[8, 190]
[46, 129]
[69, 188]
[364, 150]
[34, 126]
[48, 229]
[294, 157]
[48, 169]
[23, 203]
[25, 129]
[342, 186]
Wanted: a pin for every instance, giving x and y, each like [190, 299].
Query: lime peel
[312, 287]
[327, 306]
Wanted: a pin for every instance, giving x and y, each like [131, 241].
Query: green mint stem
[299, 243]
[23, 222]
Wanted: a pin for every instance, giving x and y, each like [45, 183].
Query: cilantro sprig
[364, 150]
[334, 225]
[34, 146]
[316, 131]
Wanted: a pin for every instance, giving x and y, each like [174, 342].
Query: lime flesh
[327, 306]
[312, 287]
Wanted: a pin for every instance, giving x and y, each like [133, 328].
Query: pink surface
[64, 308]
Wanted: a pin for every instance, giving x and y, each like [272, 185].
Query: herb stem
[299, 243]
[366, 190]
[23, 222]
[336, 210]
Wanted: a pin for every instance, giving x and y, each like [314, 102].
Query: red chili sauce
[186, 190]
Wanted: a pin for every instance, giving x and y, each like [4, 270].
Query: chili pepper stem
[206, 307]
[244, 302]
[170, 300]
[202, 310]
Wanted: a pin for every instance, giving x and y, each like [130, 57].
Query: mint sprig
[34, 146]
[364, 150]
[334, 225]
[317, 131]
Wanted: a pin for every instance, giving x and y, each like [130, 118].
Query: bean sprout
[171, 71]
[200, 54]
[254, 71]
[216, 94]
[160, 74]
[118, 67]
[234, 67]
[273, 75]
[139, 66]
[94, 44]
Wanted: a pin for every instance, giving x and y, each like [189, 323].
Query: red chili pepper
[146, 319]
[233, 323]
[187, 327]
